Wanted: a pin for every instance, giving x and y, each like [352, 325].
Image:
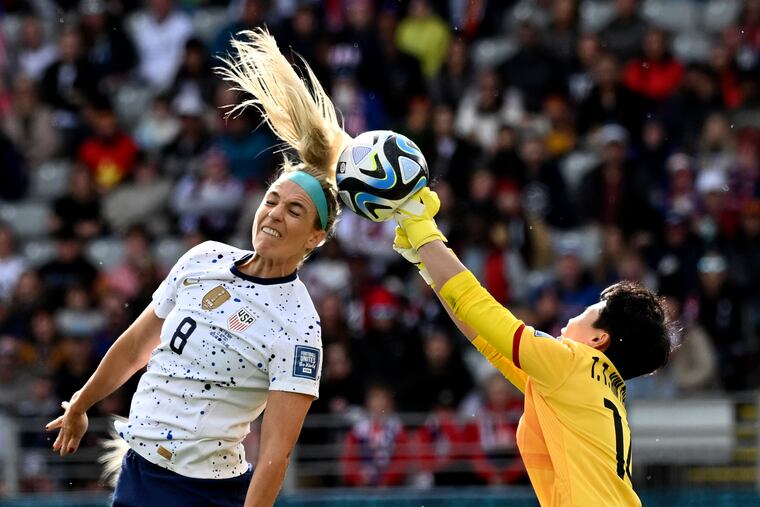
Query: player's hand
[404, 248]
[72, 425]
[416, 217]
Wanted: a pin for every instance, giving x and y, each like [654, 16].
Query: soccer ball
[378, 172]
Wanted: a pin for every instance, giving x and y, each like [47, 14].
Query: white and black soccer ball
[378, 172]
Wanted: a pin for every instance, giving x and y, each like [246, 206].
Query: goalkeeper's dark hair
[639, 330]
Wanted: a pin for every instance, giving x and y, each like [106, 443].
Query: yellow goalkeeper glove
[406, 250]
[415, 216]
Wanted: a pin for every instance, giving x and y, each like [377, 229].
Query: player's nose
[275, 213]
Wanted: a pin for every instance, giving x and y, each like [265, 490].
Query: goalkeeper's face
[581, 328]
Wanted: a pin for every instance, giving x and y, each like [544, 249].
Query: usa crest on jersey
[240, 320]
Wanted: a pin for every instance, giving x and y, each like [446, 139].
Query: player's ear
[601, 341]
[315, 239]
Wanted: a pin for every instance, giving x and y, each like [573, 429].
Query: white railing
[703, 432]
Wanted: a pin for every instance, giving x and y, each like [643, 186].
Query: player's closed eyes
[293, 212]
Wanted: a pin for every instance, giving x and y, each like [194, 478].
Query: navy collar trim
[255, 279]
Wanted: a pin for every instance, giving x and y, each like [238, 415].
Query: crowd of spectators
[572, 144]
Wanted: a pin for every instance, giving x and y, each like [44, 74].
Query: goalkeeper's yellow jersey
[573, 437]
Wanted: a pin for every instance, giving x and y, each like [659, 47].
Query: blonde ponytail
[115, 448]
[304, 118]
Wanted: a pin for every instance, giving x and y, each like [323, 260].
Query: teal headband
[311, 186]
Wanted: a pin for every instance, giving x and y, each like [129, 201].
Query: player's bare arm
[283, 419]
[127, 355]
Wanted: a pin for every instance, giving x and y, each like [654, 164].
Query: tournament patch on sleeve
[306, 362]
[542, 334]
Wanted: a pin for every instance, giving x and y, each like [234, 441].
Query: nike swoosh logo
[190, 281]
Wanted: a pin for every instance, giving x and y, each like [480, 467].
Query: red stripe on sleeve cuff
[516, 345]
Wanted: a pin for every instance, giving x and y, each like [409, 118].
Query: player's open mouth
[271, 232]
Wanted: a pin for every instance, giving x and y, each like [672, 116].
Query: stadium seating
[38, 252]
[29, 218]
[594, 14]
[105, 253]
[674, 16]
[717, 15]
[50, 180]
[490, 53]
[131, 101]
[168, 250]
[209, 21]
[692, 46]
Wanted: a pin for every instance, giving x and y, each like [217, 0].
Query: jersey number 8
[181, 334]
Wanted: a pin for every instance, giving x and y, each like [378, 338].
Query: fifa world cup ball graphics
[378, 172]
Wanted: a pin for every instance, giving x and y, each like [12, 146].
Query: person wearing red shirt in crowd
[655, 74]
[495, 455]
[748, 29]
[724, 65]
[109, 153]
[375, 451]
[444, 447]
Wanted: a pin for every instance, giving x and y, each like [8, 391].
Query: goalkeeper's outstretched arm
[507, 368]
[515, 375]
[507, 337]
[475, 311]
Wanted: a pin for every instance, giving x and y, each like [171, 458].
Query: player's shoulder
[213, 251]
[207, 247]
[206, 256]
[579, 349]
[541, 335]
[306, 304]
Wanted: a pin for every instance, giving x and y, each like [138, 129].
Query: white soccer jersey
[227, 339]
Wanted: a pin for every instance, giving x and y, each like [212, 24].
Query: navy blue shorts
[143, 484]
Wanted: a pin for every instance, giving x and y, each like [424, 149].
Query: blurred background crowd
[572, 144]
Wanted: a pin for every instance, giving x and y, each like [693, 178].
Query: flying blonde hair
[298, 110]
[115, 448]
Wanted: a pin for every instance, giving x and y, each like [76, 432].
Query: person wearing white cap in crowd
[712, 186]
[682, 196]
[720, 312]
[158, 127]
[181, 155]
[615, 192]
[711, 180]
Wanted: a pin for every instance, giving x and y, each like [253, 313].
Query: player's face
[581, 328]
[284, 227]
